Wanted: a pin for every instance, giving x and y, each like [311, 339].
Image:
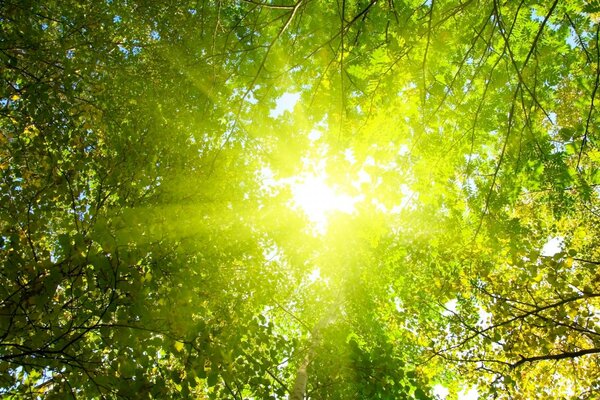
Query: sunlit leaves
[148, 241]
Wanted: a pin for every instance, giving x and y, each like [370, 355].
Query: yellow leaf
[31, 131]
[178, 345]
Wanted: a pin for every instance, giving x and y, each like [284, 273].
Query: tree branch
[560, 356]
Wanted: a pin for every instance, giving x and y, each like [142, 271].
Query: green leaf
[212, 378]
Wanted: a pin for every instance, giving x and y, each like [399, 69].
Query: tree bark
[301, 380]
[299, 390]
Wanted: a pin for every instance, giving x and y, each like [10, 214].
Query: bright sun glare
[317, 199]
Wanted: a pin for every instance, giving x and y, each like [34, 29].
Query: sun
[318, 200]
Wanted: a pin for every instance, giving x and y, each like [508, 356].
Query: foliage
[150, 246]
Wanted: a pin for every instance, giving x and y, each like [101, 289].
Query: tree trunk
[301, 379]
[299, 390]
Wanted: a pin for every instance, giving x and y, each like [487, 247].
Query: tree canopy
[268, 199]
